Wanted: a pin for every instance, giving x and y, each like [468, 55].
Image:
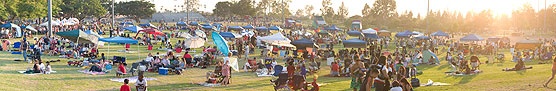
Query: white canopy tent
[277, 39]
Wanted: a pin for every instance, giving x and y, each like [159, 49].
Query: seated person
[519, 66]
[211, 77]
[95, 68]
[335, 69]
[121, 70]
[475, 62]
[48, 68]
[36, 68]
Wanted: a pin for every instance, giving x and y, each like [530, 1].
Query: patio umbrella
[194, 42]
[133, 28]
[220, 43]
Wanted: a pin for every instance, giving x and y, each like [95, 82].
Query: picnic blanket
[131, 79]
[209, 84]
[263, 73]
[91, 73]
[432, 83]
[23, 72]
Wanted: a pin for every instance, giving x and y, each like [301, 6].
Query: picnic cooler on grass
[163, 71]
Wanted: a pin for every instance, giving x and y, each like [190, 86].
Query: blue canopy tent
[332, 28]
[147, 25]
[207, 27]
[216, 24]
[181, 23]
[440, 33]
[194, 23]
[354, 33]
[372, 36]
[262, 29]
[134, 29]
[235, 28]
[422, 37]
[275, 28]
[354, 43]
[404, 34]
[472, 37]
[220, 43]
[303, 43]
[120, 40]
[227, 35]
[248, 27]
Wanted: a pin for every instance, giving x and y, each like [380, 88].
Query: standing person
[24, 46]
[141, 84]
[356, 74]
[125, 87]
[553, 73]
[226, 73]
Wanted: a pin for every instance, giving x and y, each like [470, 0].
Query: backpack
[415, 82]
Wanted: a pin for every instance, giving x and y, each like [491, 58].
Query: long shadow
[466, 78]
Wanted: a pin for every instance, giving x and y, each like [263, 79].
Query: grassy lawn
[69, 79]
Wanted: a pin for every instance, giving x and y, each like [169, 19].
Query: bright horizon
[416, 6]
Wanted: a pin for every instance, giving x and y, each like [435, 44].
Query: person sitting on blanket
[95, 68]
[211, 77]
[474, 62]
[36, 68]
[121, 70]
[519, 66]
[48, 68]
[335, 69]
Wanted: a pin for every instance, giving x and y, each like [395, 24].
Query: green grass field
[69, 79]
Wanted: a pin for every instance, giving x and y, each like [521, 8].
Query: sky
[416, 6]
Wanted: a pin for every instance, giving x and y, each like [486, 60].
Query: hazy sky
[417, 6]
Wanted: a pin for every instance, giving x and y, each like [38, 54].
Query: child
[335, 69]
[141, 84]
[48, 68]
[121, 70]
[125, 87]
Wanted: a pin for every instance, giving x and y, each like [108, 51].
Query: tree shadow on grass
[464, 78]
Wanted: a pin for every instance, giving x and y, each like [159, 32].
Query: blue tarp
[248, 26]
[354, 43]
[235, 28]
[133, 28]
[274, 28]
[181, 23]
[227, 35]
[440, 33]
[118, 40]
[220, 43]
[472, 37]
[354, 33]
[371, 36]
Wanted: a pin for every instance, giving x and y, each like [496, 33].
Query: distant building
[175, 17]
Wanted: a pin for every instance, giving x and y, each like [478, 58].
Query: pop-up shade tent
[78, 36]
[181, 23]
[206, 24]
[194, 42]
[440, 33]
[207, 27]
[354, 43]
[17, 28]
[275, 28]
[354, 33]
[216, 24]
[404, 34]
[277, 39]
[472, 37]
[528, 44]
[54, 23]
[248, 27]
[427, 54]
[237, 28]
[369, 31]
[120, 40]
[229, 35]
[384, 33]
[126, 23]
[371, 36]
[147, 25]
[303, 43]
[200, 33]
[262, 29]
[220, 43]
[133, 28]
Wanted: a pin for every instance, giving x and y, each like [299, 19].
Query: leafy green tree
[244, 7]
[135, 9]
[82, 8]
[223, 9]
[383, 11]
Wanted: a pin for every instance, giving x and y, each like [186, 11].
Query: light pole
[113, 19]
[187, 13]
[428, 6]
[50, 17]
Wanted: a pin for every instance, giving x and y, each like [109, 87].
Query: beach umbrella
[194, 42]
[220, 43]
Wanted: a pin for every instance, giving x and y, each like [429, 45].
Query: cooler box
[163, 71]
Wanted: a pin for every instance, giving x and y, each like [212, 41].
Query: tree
[81, 9]
[28, 9]
[524, 17]
[326, 9]
[366, 10]
[309, 10]
[342, 11]
[135, 9]
[244, 7]
[299, 13]
[281, 8]
[264, 6]
[383, 11]
[192, 5]
[223, 9]
[10, 9]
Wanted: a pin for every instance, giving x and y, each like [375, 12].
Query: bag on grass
[415, 82]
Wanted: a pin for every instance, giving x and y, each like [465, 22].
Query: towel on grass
[131, 79]
[91, 73]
